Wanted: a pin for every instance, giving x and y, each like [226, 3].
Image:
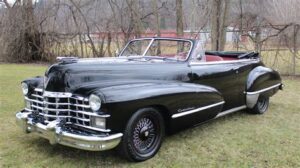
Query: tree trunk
[222, 28]
[258, 39]
[157, 17]
[218, 24]
[136, 17]
[157, 25]
[215, 13]
[241, 24]
[258, 35]
[179, 18]
[31, 40]
[179, 24]
[81, 43]
[109, 38]
[295, 49]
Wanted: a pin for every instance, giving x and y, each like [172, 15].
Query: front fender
[262, 81]
[173, 97]
[132, 92]
[35, 82]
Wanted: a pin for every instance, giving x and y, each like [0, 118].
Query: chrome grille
[55, 105]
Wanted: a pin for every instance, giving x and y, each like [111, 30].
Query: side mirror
[117, 53]
[199, 56]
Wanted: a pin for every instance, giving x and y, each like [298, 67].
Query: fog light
[99, 122]
[28, 104]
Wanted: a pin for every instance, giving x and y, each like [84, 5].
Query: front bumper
[57, 135]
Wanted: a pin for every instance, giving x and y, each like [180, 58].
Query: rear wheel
[143, 135]
[261, 106]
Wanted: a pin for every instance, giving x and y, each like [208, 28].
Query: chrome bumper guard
[54, 133]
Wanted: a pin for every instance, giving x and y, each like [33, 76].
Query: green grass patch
[236, 140]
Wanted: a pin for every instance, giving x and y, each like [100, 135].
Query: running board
[231, 111]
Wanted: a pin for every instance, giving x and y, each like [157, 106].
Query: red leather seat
[228, 58]
[210, 58]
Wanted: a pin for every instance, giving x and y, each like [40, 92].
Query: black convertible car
[154, 86]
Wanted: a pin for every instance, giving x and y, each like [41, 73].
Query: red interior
[210, 58]
[229, 58]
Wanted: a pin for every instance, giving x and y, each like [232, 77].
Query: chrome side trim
[263, 90]
[197, 110]
[252, 97]
[223, 113]
[222, 62]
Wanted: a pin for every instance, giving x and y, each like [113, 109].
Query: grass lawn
[236, 140]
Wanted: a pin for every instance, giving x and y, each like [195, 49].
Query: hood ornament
[66, 59]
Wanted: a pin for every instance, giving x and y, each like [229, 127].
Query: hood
[107, 72]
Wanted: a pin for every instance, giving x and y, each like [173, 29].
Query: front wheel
[143, 135]
[261, 106]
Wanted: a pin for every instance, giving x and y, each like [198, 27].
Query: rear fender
[262, 81]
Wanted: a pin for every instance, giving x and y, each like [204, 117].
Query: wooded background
[41, 30]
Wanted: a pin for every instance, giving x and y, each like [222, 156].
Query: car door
[228, 77]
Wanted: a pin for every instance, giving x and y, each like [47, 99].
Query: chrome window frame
[160, 38]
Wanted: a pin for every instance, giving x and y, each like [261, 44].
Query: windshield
[136, 47]
[166, 49]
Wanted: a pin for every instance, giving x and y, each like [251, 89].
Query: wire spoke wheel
[144, 135]
[262, 104]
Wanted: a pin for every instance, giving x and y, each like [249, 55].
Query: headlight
[24, 88]
[95, 102]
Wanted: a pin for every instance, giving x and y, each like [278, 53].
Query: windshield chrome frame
[149, 45]
[159, 38]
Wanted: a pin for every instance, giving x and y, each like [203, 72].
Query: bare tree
[157, 17]
[42, 30]
[179, 18]
[295, 48]
[218, 23]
